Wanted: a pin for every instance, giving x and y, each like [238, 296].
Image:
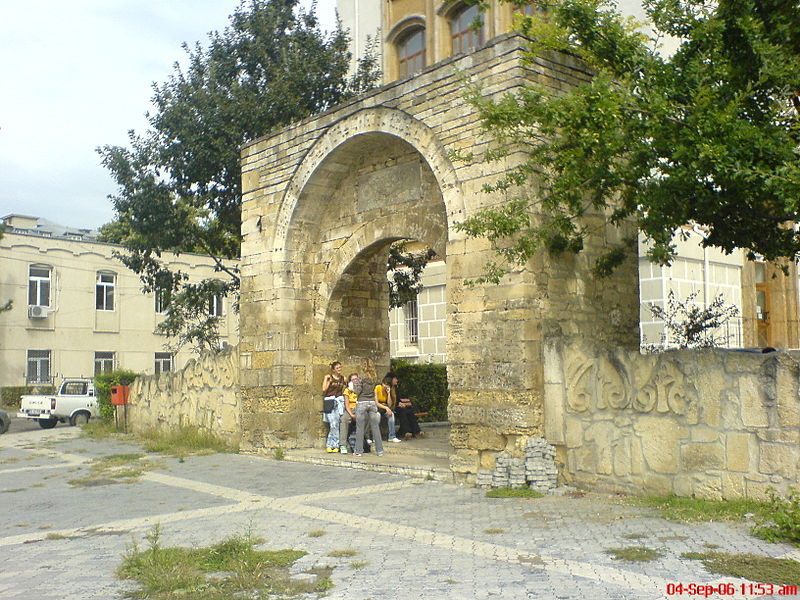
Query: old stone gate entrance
[324, 199]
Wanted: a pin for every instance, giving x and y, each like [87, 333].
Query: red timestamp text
[706, 590]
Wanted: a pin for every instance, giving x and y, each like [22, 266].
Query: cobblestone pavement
[420, 539]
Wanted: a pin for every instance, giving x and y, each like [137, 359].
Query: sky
[76, 75]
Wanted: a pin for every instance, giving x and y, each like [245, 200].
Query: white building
[78, 311]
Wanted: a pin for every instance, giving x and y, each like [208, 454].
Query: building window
[215, 306]
[763, 329]
[411, 311]
[38, 367]
[411, 52]
[163, 362]
[103, 362]
[39, 285]
[104, 295]
[162, 301]
[462, 29]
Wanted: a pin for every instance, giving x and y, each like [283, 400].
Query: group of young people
[363, 400]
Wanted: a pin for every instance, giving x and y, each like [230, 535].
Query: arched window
[411, 52]
[462, 30]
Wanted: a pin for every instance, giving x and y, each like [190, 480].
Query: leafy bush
[426, 385]
[783, 524]
[103, 384]
[9, 395]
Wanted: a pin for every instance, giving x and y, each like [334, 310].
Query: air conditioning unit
[38, 312]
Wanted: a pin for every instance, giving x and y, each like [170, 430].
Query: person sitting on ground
[406, 416]
[349, 415]
[367, 409]
[386, 402]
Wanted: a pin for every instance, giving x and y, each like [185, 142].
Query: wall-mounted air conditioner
[38, 312]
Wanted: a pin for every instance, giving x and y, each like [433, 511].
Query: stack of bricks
[540, 465]
[537, 469]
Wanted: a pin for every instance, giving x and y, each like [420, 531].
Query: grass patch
[181, 442]
[113, 468]
[56, 536]
[13, 490]
[514, 493]
[358, 564]
[184, 441]
[749, 566]
[317, 533]
[278, 454]
[634, 553]
[232, 568]
[342, 553]
[634, 536]
[494, 530]
[98, 429]
[676, 508]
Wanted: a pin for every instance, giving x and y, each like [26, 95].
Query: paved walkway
[420, 538]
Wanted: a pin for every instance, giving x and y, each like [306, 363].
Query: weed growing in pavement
[278, 454]
[317, 533]
[634, 536]
[358, 564]
[677, 508]
[749, 566]
[494, 530]
[513, 493]
[184, 441]
[634, 553]
[114, 468]
[12, 490]
[782, 521]
[342, 553]
[231, 568]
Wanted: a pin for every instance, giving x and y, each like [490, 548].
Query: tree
[689, 325]
[709, 134]
[180, 182]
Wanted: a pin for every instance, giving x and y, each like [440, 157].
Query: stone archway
[324, 199]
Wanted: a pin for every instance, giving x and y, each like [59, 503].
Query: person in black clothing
[405, 413]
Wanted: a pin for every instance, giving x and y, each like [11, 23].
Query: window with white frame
[162, 301]
[39, 285]
[411, 312]
[163, 363]
[215, 306]
[38, 368]
[103, 362]
[104, 291]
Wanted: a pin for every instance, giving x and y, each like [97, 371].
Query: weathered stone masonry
[322, 202]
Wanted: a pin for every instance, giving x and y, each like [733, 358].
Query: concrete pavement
[419, 538]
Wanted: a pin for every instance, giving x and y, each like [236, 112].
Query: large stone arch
[311, 233]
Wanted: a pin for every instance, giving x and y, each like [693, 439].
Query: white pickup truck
[75, 402]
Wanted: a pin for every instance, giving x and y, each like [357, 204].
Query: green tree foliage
[180, 181]
[689, 325]
[103, 384]
[405, 269]
[708, 134]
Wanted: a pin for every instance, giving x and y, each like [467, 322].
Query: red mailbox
[119, 395]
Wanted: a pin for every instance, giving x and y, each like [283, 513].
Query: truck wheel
[48, 424]
[4, 423]
[79, 418]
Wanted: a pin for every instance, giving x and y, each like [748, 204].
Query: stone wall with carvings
[204, 394]
[713, 423]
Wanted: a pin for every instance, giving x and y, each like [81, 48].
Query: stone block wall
[204, 394]
[710, 423]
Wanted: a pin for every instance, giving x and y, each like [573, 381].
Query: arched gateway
[324, 199]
